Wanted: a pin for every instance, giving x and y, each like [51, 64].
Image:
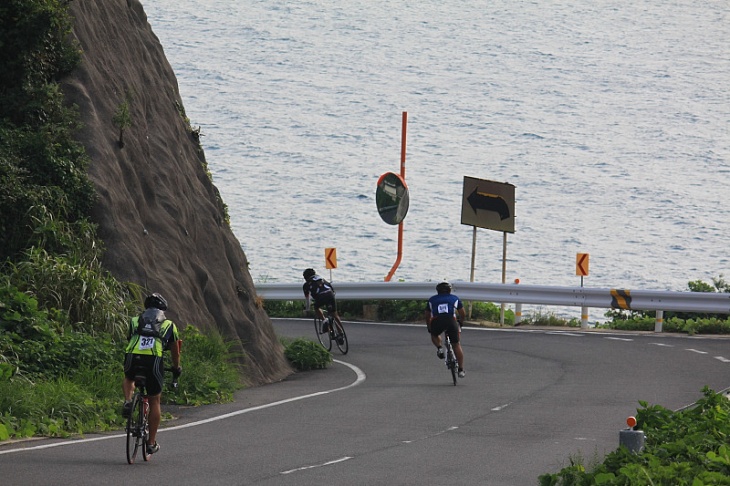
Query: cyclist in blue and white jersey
[445, 312]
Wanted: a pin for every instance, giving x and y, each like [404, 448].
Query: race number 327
[146, 342]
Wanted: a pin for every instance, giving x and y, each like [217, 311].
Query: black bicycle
[329, 330]
[450, 359]
[138, 427]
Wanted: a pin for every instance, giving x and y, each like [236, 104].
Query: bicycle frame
[138, 421]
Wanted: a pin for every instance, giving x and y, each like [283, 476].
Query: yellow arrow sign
[581, 264]
[330, 257]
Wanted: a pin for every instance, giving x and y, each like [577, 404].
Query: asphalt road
[387, 413]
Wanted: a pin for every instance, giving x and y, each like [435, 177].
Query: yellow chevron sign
[581, 264]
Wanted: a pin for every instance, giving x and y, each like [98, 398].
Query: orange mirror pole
[403, 175]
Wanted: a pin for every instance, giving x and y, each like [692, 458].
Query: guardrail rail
[646, 300]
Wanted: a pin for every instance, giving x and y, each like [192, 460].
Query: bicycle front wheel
[340, 337]
[134, 430]
[324, 339]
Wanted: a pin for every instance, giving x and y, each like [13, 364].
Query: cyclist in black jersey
[322, 293]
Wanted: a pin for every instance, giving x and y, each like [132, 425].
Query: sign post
[490, 205]
[581, 268]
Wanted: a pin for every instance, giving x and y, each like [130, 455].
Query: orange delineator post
[403, 176]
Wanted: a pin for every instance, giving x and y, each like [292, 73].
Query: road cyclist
[149, 334]
[323, 295]
[445, 313]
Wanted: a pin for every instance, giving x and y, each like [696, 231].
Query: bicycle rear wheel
[340, 337]
[324, 339]
[134, 430]
[452, 366]
[451, 359]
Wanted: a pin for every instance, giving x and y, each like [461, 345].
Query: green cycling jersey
[148, 345]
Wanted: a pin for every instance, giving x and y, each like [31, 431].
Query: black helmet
[309, 273]
[443, 288]
[155, 300]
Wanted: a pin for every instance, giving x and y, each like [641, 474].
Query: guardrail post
[584, 317]
[659, 321]
[518, 308]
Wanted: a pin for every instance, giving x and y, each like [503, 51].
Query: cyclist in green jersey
[150, 334]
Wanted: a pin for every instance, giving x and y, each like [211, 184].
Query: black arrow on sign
[488, 202]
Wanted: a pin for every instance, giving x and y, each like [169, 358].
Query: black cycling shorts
[445, 322]
[151, 367]
[326, 300]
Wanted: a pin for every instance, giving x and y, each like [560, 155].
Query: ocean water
[612, 120]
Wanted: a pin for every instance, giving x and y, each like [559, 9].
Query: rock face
[159, 214]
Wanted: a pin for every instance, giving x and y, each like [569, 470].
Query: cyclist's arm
[175, 355]
[461, 316]
[427, 317]
[305, 289]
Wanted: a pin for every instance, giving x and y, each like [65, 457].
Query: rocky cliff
[159, 214]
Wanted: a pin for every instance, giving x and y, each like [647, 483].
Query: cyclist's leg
[455, 336]
[459, 355]
[155, 378]
[128, 383]
[154, 417]
[318, 309]
[438, 326]
[332, 309]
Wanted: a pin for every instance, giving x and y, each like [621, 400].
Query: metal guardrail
[647, 300]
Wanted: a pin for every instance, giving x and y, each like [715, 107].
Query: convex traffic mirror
[391, 198]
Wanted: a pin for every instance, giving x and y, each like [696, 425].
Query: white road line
[619, 339]
[431, 436]
[360, 378]
[564, 333]
[663, 345]
[501, 407]
[696, 351]
[329, 463]
[724, 360]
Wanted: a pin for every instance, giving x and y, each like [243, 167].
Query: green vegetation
[305, 355]
[46, 195]
[56, 381]
[62, 316]
[122, 119]
[682, 322]
[688, 447]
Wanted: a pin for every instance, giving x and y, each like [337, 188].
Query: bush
[283, 308]
[92, 298]
[539, 318]
[685, 447]
[306, 355]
